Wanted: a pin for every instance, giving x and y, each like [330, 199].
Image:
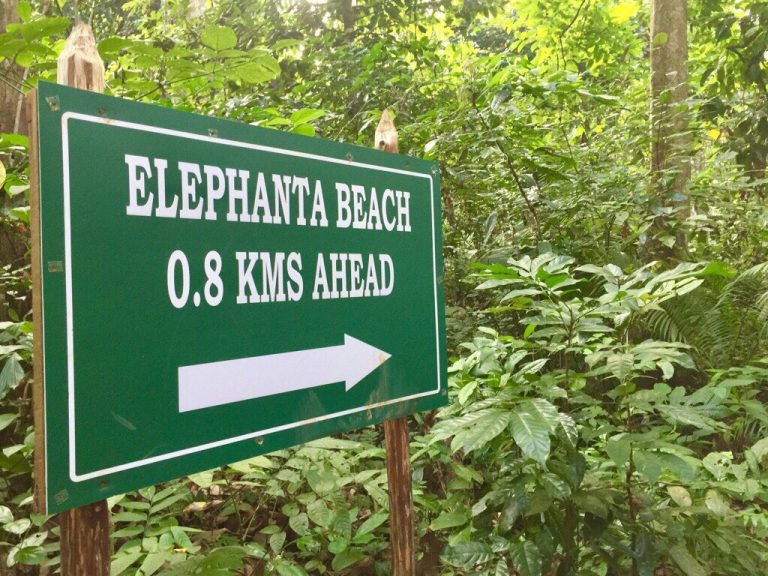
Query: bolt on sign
[212, 291]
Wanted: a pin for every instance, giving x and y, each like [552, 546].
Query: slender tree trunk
[12, 120]
[670, 140]
[11, 75]
[347, 11]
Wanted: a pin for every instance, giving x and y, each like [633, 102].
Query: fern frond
[725, 324]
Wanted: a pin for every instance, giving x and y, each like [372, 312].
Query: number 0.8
[214, 287]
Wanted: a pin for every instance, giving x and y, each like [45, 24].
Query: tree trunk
[11, 97]
[12, 120]
[347, 11]
[670, 140]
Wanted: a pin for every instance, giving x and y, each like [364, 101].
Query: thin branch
[20, 105]
[567, 28]
[513, 171]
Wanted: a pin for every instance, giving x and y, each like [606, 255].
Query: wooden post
[85, 544]
[79, 64]
[401, 537]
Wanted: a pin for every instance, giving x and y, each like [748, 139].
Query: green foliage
[607, 409]
[601, 456]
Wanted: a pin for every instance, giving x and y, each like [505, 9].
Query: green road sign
[212, 291]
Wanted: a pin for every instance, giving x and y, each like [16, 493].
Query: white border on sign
[74, 476]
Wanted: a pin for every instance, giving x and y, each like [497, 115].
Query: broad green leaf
[219, 37]
[181, 538]
[529, 330]
[680, 496]
[623, 11]
[337, 545]
[467, 554]
[568, 426]
[591, 503]
[24, 10]
[526, 558]
[717, 503]
[689, 416]
[546, 410]
[512, 511]
[304, 129]
[221, 562]
[154, 561]
[619, 449]
[299, 523]
[466, 392]
[342, 522]
[531, 433]
[718, 463]
[534, 366]
[518, 293]
[496, 282]
[11, 375]
[334, 444]
[113, 45]
[320, 514]
[256, 72]
[202, 479]
[322, 481]
[270, 529]
[122, 562]
[128, 517]
[306, 115]
[687, 563]
[647, 464]
[449, 520]
[128, 532]
[538, 502]
[683, 468]
[6, 420]
[276, 541]
[555, 486]
[455, 424]
[372, 523]
[165, 503]
[760, 448]
[347, 558]
[285, 568]
[6, 515]
[620, 365]
[284, 43]
[481, 432]
[18, 526]
[30, 555]
[667, 369]
[490, 225]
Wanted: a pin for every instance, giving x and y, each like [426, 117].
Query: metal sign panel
[213, 291]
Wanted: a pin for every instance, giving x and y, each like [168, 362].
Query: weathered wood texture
[79, 64]
[38, 398]
[85, 543]
[401, 536]
[386, 133]
[85, 546]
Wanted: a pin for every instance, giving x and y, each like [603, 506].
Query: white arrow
[228, 381]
